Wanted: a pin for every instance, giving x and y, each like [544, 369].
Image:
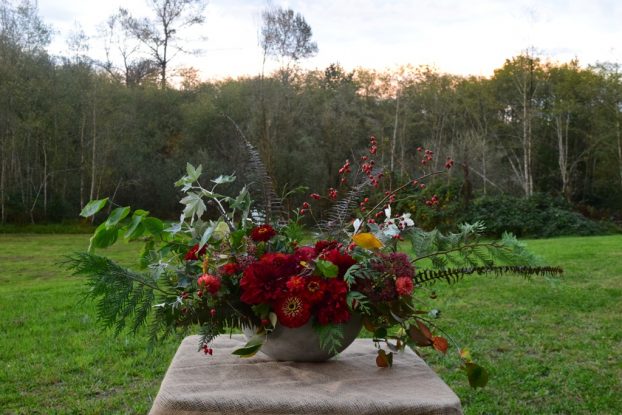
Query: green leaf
[477, 375]
[193, 173]
[93, 207]
[224, 179]
[331, 336]
[134, 230]
[153, 225]
[327, 268]
[194, 205]
[103, 237]
[251, 347]
[117, 215]
[380, 333]
[207, 234]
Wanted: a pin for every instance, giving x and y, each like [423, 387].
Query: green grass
[551, 345]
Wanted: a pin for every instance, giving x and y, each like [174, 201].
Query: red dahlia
[229, 269]
[209, 283]
[194, 253]
[265, 280]
[292, 311]
[262, 233]
[334, 308]
[343, 261]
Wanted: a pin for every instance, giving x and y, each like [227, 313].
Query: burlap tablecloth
[347, 384]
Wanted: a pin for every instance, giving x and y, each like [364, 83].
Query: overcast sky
[461, 37]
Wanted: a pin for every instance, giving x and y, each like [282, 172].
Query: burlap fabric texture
[350, 383]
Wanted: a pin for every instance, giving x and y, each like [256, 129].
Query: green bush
[539, 216]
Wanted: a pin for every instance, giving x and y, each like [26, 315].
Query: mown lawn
[551, 345]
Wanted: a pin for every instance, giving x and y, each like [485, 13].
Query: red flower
[343, 261]
[321, 246]
[209, 283]
[334, 308]
[229, 269]
[296, 284]
[304, 253]
[262, 233]
[404, 286]
[266, 280]
[314, 289]
[194, 253]
[292, 310]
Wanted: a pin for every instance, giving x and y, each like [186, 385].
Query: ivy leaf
[384, 359]
[116, 216]
[477, 375]
[327, 268]
[251, 347]
[440, 344]
[93, 207]
[224, 179]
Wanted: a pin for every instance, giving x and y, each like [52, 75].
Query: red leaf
[424, 329]
[419, 337]
[383, 359]
[440, 344]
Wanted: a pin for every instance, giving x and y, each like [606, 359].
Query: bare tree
[286, 34]
[160, 35]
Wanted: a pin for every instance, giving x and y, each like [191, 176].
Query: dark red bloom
[229, 269]
[292, 310]
[296, 284]
[209, 283]
[343, 261]
[262, 233]
[334, 308]
[314, 289]
[305, 253]
[194, 253]
[266, 280]
[321, 246]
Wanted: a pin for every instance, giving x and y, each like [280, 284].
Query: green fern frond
[331, 336]
[452, 275]
[121, 295]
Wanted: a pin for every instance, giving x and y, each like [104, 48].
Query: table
[350, 383]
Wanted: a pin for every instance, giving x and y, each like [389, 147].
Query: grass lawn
[551, 345]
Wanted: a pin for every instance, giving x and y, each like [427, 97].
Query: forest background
[537, 146]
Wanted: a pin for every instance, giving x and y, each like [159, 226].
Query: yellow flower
[367, 240]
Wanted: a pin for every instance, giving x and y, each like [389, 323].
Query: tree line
[72, 130]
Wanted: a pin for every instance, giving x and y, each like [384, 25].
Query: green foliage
[121, 295]
[330, 335]
[539, 216]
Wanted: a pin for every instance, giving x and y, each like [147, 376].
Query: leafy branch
[121, 294]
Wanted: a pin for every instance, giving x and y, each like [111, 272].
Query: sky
[461, 37]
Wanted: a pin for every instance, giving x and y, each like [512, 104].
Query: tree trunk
[82, 161]
[394, 142]
[562, 150]
[93, 153]
[619, 141]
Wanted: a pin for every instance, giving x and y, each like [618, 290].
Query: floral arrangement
[251, 266]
